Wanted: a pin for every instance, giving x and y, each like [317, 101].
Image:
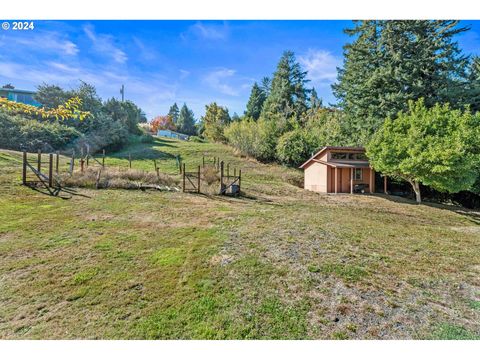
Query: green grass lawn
[279, 263]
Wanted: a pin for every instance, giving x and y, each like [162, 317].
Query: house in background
[172, 134]
[339, 170]
[21, 96]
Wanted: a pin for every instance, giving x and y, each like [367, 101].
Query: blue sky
[162, 62]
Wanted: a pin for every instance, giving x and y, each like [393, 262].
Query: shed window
[357, 174]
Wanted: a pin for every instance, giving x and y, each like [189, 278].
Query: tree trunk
[416, 188]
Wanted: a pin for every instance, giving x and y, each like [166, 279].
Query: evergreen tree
[174, 113]
[186, 121]
[472, 94]
[255, 102]
[266, 85]
[315, 101]
[392, 62]
[235, 117]
[288, 95]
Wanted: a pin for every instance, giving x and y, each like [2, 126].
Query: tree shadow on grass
[145, 151]
[472, 214]
[241, 199]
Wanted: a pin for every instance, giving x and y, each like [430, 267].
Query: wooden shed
[339, 170]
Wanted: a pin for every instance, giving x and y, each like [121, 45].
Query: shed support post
[351, 180]
[385, 184]
[336, 180]
[372, 180]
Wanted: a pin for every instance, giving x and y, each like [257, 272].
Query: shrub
[117, 178]
[20, 133]
[294, 147]
[256, 139]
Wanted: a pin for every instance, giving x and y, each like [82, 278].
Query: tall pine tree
[288, 95]
[255, 102]
[186, 121]
[174, 113]
[391, 62]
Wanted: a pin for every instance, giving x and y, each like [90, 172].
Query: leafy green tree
[174, 113]
[186, 121]
[245, 136]
[437, 147]
[327, 127]
[215, 119]
[288, 95]
[391, 62]
[126, 112]
[255, 102]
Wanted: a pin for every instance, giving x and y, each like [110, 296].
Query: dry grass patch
[117, 178]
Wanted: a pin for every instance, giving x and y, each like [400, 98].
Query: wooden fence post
[183, 177]
[129, 160]
[39, 160]
[203, 161]
[198, 185]
[221, 179]
[88, 156]
[239, 181]
[82, 162]
[72, 162]
[103, 158]
[56, 162]
[24, 169]
[50, 170]
[156, 168]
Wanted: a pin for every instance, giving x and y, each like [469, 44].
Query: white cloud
[145, 52]
[321, 66]
[105, 44]
[45, 42]
[217, 80]
[184, 74]
[210, 31]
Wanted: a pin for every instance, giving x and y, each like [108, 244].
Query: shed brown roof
[341, 148]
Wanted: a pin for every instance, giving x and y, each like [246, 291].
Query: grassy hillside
[280, 262]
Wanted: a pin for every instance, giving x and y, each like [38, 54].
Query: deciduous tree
[215, 119]
[436, 146]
